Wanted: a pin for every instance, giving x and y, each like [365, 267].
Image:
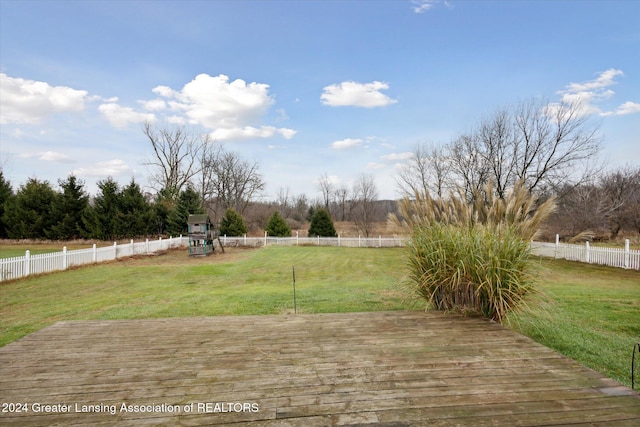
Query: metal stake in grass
[295, 307]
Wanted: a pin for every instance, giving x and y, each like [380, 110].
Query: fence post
[318, 239]
[115, 250]
[95, 253]
[627, 254]
[132, 253]
[586, 255]
[358, 240]
[265, 238]
[297, 238]
[27, 262]
[555, 254]
[245, 238]
[379, 241]
[146, 245]
[64, 257]
[338, 240]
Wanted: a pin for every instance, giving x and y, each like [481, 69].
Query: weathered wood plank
[392, 368]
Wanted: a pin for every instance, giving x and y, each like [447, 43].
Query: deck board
[386, 368]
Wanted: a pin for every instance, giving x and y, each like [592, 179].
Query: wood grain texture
[405, 368]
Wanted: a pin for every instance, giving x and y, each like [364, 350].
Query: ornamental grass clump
[473, 257]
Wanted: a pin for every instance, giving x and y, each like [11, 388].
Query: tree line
[38, 211]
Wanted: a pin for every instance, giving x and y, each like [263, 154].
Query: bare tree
[176, 153]
[621, 191]
[426, 171]
[545, 145]
[326, 187]
[553, 143]
[365, 195]
[468, 166]
[230, 181]
[341, 196]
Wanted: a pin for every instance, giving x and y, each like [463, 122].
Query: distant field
[593, 314]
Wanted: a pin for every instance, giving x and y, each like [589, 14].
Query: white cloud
[394, 157]
[154, 105]
[47, 156]
[588, 95]
[605, 79]
[30, 101]
[356, 94]
[52, 156]
[111, 168]
[250, 132]
[231, 109]
[421, 6]
[346, 143]
[627, 108]
[119, 116]
[214, 102]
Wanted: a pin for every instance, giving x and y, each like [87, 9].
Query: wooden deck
[388, 369]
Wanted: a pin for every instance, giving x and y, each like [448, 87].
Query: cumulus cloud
[154, 105]
[30, 101]
[112, 168]
[231, 109]
[588, 95]
[356, 94]
[346, 143]
[119, 116]
[250, 132]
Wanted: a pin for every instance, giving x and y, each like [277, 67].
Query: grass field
[593, 314]
[235, 283]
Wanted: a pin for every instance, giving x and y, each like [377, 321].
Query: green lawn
[593, 315]
[238, 282]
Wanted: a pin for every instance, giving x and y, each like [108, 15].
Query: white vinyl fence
[614, 257]
[17, 267]
[350, 242]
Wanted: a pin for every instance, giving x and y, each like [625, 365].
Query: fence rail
[614, 257]
[18, 267]
[350, 242]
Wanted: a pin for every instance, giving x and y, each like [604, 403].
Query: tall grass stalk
[473, 256]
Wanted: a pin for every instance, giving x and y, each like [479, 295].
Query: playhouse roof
[199, 219]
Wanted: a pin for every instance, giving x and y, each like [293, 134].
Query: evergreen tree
[67, 210]
[28, 214]
[232, 224]
[322, 224]
[6, 193]
[277, 226]
[135, 215]
[188, 203]
[101, 219]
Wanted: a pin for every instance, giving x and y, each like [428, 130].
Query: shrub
[473, 256]
[232, 224]
[277, 226]
[321, 224]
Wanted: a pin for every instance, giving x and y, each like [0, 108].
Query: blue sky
[305, 88]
